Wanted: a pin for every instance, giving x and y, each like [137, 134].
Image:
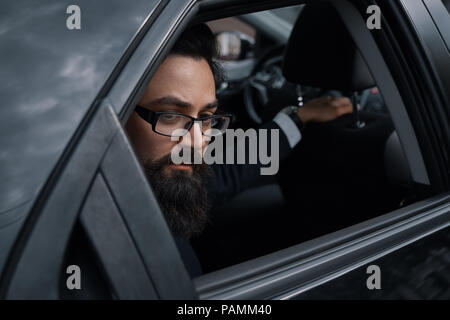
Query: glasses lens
[171, 124]
[215, 126]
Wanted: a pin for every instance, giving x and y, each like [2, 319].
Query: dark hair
[198, 42]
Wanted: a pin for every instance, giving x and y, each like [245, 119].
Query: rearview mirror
[234, 45]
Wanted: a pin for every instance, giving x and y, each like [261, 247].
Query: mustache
[167, 159]
[154, 166]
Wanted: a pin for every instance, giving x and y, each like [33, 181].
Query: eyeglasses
[174, 124]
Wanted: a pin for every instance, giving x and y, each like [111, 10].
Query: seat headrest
[321, 53]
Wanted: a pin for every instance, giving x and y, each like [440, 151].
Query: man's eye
[168, 117]
[210, 122]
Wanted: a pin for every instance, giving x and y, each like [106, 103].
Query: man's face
[184, 85]
[181, 84]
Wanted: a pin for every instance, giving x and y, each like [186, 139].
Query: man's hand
[325, 109]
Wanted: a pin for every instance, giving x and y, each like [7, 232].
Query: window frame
[412, 222]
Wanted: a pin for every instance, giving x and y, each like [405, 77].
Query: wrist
[304, 114]
[292, 113]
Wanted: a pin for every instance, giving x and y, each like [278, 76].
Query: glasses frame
[152, 118]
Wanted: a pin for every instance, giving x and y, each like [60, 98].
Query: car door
[295, 271]
[97, 184]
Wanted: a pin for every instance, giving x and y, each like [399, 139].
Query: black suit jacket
[226, 181]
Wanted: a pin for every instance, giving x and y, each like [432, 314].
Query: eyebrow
[173, 101]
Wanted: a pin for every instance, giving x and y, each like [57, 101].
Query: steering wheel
[267, 91]
[264, 85]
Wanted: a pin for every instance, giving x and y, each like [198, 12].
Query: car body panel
[420, 270]
[53, 76]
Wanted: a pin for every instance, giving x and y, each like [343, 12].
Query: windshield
[288, 14]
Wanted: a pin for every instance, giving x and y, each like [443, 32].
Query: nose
[196, 135]
[194, 138]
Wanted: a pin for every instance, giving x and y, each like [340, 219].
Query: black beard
[181, 194]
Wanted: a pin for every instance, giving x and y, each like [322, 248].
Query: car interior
[341, 173]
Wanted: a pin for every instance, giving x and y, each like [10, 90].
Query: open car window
[343, 173]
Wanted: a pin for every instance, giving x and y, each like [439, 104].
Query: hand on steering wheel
[325, 109]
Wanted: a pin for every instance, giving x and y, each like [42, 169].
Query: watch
[292, 112]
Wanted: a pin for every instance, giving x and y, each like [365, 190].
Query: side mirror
[234, 45]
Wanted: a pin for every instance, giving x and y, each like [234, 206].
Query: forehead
[186, 78]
